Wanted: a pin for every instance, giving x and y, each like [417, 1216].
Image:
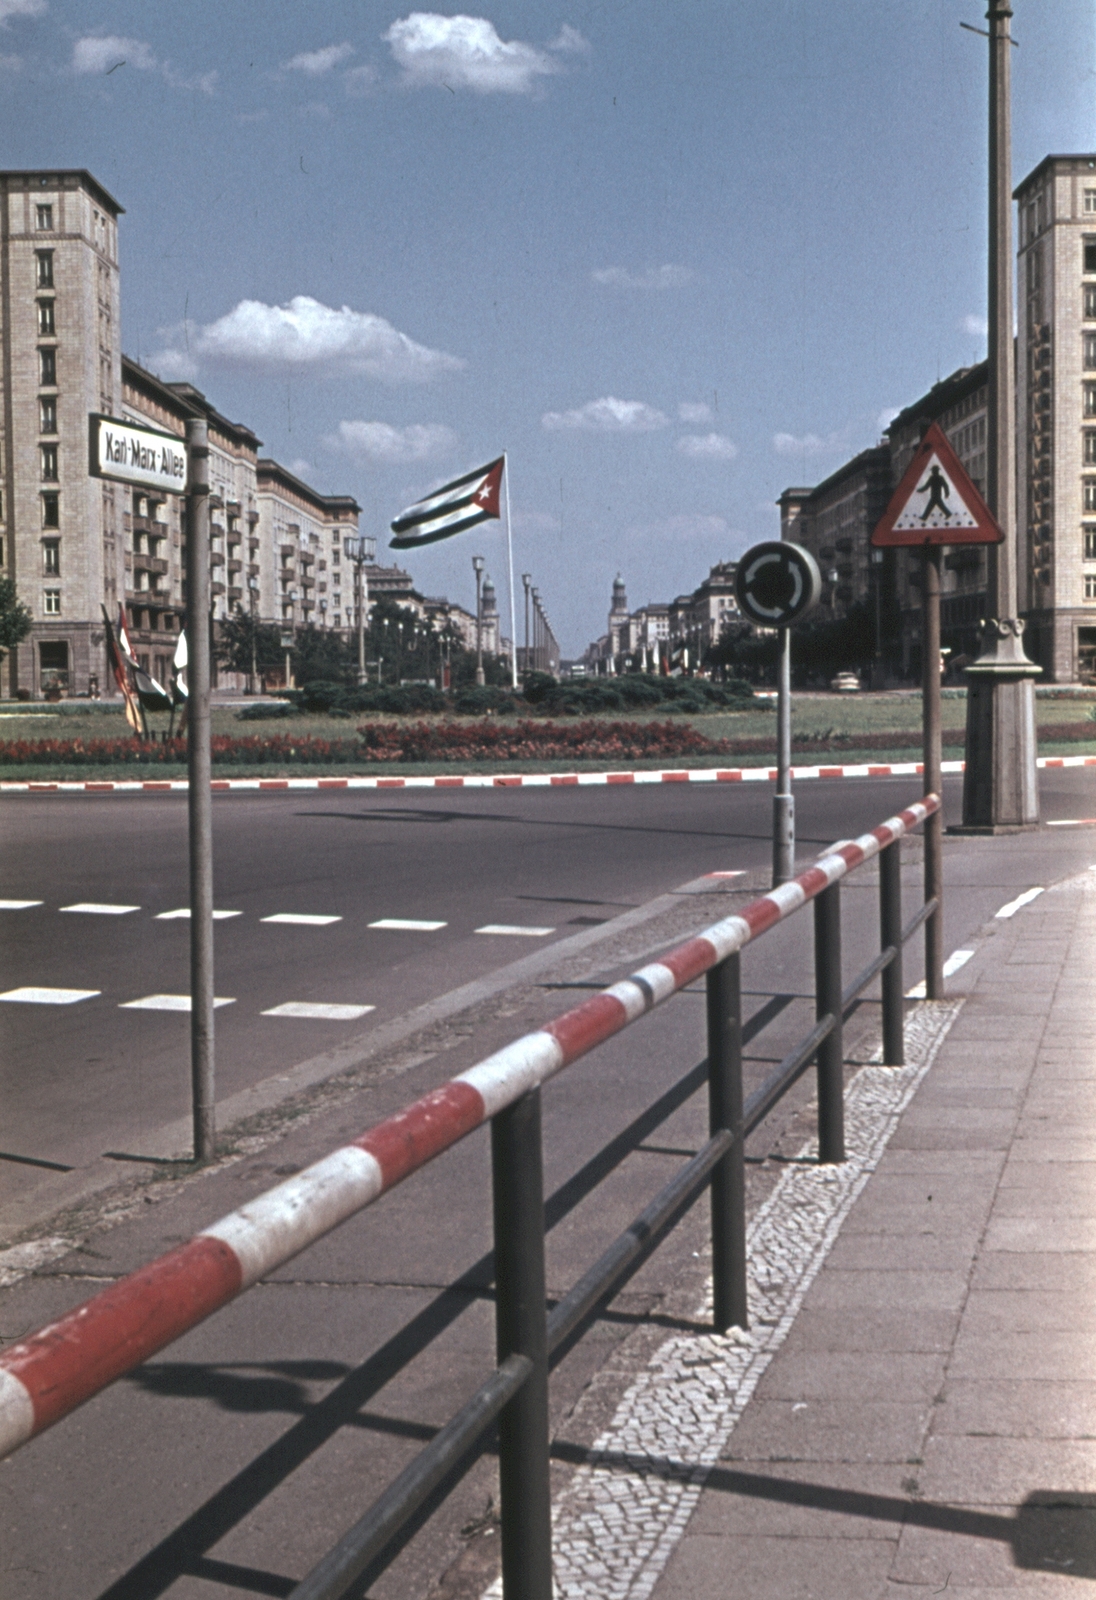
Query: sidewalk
[928, 1423]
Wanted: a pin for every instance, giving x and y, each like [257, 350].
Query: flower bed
[523, 741]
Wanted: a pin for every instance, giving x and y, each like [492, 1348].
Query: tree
[15, 618]
[243, 643]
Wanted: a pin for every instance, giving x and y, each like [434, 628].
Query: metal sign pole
[931, 758]
[783, 799]
[199, 798]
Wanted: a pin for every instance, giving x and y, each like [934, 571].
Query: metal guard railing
[48, 1374]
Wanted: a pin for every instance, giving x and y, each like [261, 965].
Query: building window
[47, 413]
[49, 463]
[1090, 352]
[1090, 399]
[1089, 490]
[1090, 544]
[45, 218]
[46, 325]
[1089, 260]
[47, 367]
[1090, 300]
[51, 557]
[53, 662]
[1090, 202]
[1090, 447]
[51, 600]
[51, 511]
[44, 269]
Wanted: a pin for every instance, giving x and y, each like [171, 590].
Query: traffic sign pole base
[999, 783]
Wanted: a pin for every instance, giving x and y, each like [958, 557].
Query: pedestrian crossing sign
[936, 502]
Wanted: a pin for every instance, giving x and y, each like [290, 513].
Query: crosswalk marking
[318, 1011]
[94, 909]
[301, 919]
[406, 925]
[184, 911]
[18, 905]
[32, 996]
[514, 929]
[167, 1002]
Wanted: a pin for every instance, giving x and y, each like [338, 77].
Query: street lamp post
[999, 783]
[253, 597]
[526, 579]
[478, 565]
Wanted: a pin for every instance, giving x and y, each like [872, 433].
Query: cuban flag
[451, 509]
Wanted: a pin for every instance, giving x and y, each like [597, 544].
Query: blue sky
[672, 257]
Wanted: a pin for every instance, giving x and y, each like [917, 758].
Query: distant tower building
[490, 622]
[619, 629]
[1056, 415]
[59, 528]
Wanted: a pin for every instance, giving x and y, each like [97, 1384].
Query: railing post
[827, 1002]
[521, 1328]
[890, 934]
[729, 1295]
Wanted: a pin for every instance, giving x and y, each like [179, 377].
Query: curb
[521, 780]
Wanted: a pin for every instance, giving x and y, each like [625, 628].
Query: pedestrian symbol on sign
[939, 489]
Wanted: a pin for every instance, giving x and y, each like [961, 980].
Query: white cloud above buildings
[805, 444]
[305, 336]
[978, 326]
[608, 415]
[466, 53]
[20, 8]
[694, 411]
[384, 443]
[101, 55]
[667, 277]
[707, 446]
[315, 63]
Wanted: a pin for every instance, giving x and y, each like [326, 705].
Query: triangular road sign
[936, 502]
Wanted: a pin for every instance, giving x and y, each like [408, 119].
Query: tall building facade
[1056, 414]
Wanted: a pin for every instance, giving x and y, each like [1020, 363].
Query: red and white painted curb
[517, 780]
[49, 1373]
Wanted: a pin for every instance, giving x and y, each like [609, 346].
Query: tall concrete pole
[999, 786]
[199, 799]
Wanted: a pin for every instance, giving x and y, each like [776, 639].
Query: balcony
[234, 568]
[253, 569]
[216, 559]
[216, 588]
[155, 564]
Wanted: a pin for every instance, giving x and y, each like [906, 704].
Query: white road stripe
[18, 905]
[512, 928]
[1021, 900]
[31, 996]
[957, 959]
[406, 925]
[300, 919]
[94, 909]
[317, 1010]
[167, 1002]
[184, 911]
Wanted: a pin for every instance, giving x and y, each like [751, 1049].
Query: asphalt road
[80, 1078]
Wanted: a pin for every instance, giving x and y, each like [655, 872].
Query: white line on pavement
[31, 996]
[957, 959]
[512, 928]
[18, 905]
[184, 911]
[94, 909]
[300, 919]
[1021, 900]
[318, 1011]
[1074, 822]
[166, 1002]
[406, 925]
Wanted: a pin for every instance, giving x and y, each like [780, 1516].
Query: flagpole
[510, 562]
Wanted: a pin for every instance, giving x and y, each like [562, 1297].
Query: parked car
[845, 683]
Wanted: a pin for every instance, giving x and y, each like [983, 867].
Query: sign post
[935, 504]
[776, 583]
[199, 796]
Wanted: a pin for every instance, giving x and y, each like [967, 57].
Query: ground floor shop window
[53, 664]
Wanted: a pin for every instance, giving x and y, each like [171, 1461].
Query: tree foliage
[15, 617]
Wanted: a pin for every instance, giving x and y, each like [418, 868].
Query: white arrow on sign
[790, 568]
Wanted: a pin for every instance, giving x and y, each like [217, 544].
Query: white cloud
[805, 444]
[314, 63]
[978, 326]
[306, 335]
[607, 416]
[707, 447]
[380, 441]
[11, 63]
[171, 363]
[102, 55]
[668, 277]
[300, 468]
[569, 42]
[20, 8]
[694, 411]
[886, 417]
[464, 53]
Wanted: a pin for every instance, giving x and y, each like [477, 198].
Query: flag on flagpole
[151, 695]
[121, 659]
[451, 509]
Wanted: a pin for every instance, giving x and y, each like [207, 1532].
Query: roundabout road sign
[777, 582]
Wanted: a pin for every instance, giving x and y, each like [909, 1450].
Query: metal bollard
[890, 935]
[521, 1328]
[728, 1193]
[827, 1001]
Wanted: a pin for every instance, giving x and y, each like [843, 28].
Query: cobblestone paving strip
[617, 1521]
